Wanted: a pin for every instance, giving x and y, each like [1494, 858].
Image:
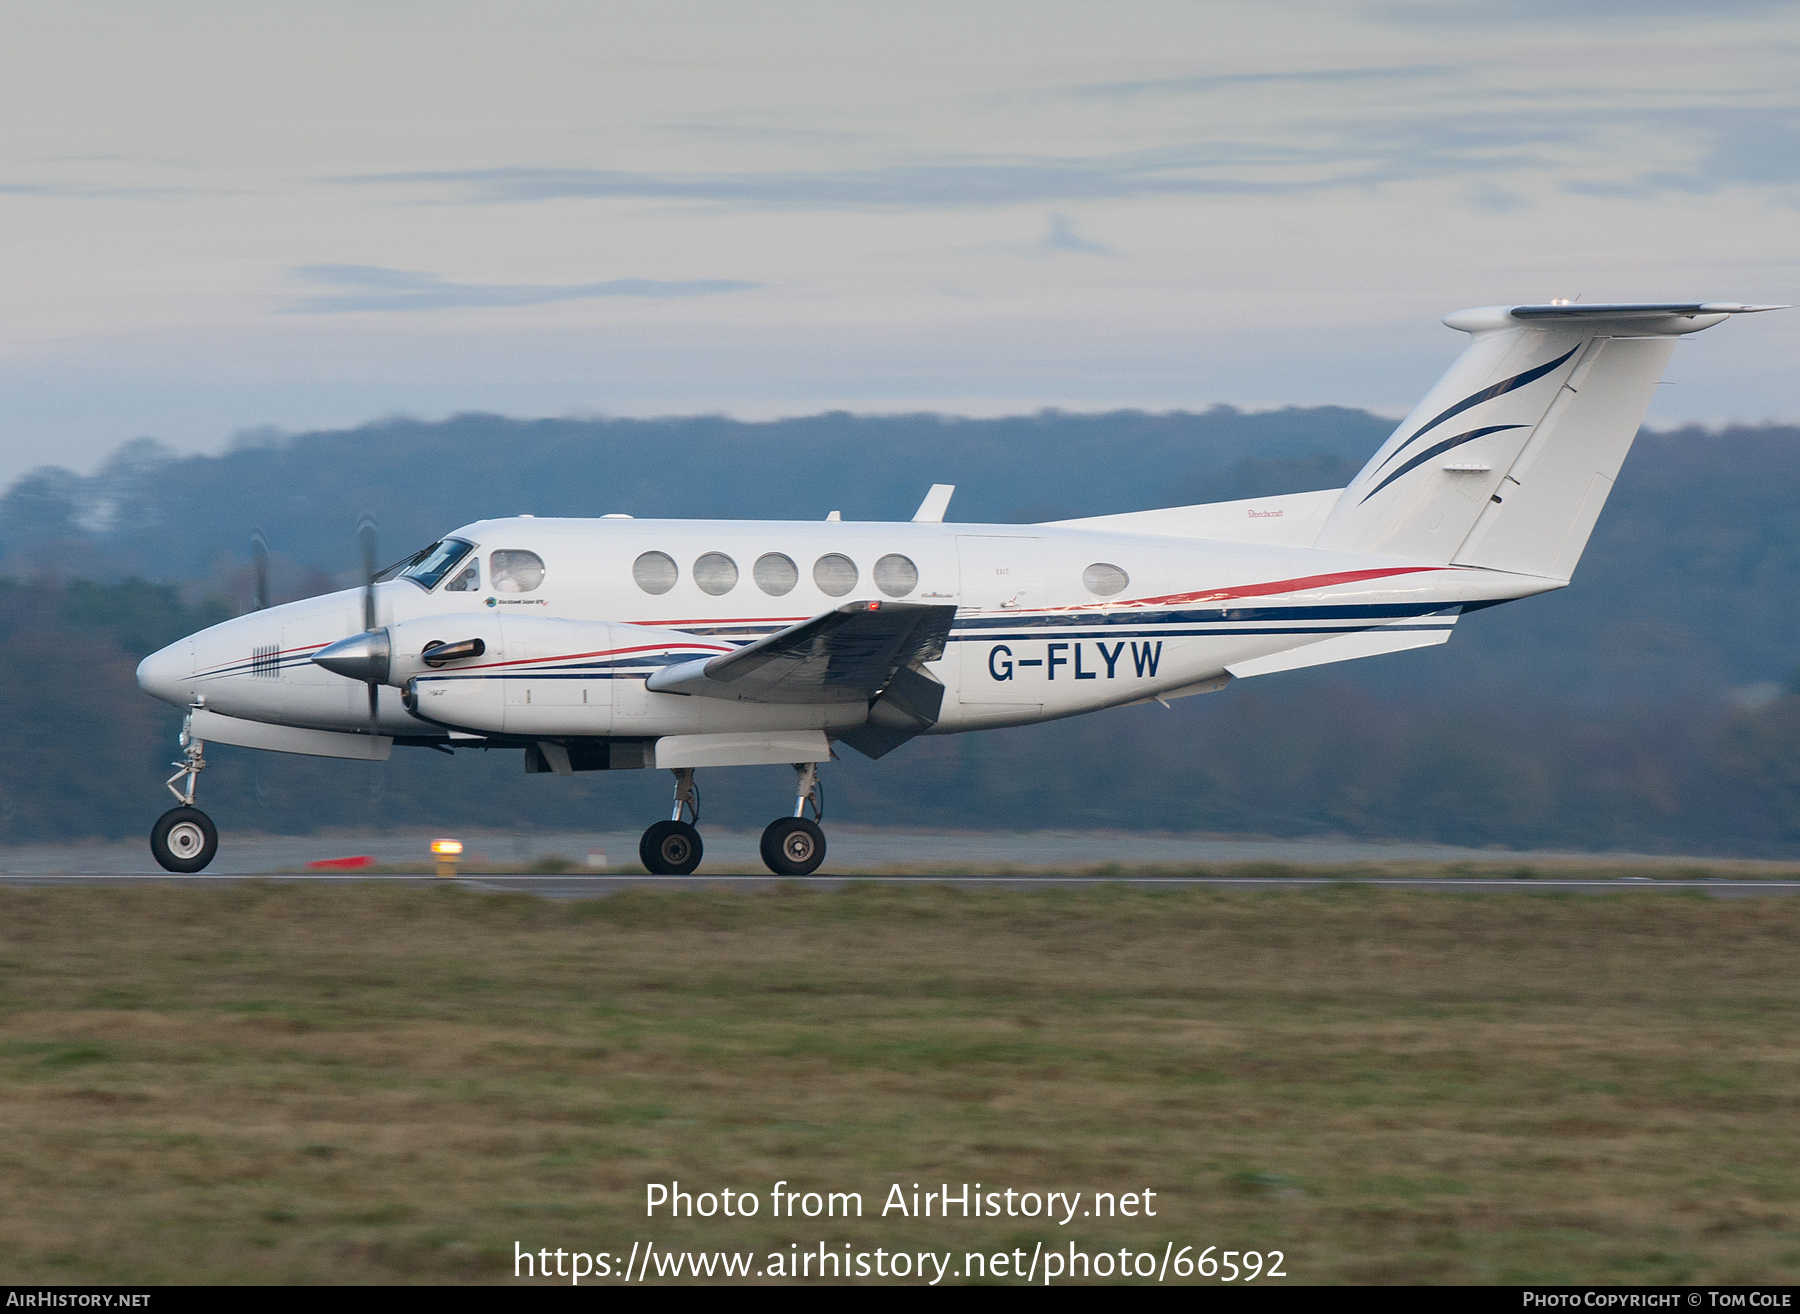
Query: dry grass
[298, 1083]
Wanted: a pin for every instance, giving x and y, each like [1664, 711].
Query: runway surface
[852, 852]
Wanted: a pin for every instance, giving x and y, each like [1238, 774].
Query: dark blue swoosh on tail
[1438, 449]
[1486, 394]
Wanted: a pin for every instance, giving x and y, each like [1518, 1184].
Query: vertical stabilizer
[1507, 461]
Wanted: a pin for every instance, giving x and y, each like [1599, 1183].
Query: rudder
[1539, 518]
[1508, 460]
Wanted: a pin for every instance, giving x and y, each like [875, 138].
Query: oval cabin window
[1103, 579]
[514, 570]
[655, 572]
[775, 574]
[835, 574]
[715, 573]
[896, 575]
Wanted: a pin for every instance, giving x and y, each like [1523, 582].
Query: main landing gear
[791, 846]
[672, 847]
[184, 838]
[795, 846]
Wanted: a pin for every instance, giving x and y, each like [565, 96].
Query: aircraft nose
[168, 674]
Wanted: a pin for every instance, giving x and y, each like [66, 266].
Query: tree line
[1301, 754]
[1647, 706]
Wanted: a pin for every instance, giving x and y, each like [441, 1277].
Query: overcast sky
[221, 216]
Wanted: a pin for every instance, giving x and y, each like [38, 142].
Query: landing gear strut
[795, 846]
[184, 838]
[672, 847]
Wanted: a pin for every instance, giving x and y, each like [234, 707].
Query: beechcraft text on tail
[617, 644]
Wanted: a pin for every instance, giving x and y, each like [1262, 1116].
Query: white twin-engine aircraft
[616, 643]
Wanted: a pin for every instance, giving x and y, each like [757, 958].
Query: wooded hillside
[1641, 708]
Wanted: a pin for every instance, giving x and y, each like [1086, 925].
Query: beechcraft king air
[621, 644]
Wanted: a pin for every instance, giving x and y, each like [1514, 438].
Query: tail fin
[1506, 462]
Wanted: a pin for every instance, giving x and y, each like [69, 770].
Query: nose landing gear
[184, 838]
[673, 847]
[795, 846]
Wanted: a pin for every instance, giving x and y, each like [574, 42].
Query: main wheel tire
[793, 846]
[670, 848]
[184, 840]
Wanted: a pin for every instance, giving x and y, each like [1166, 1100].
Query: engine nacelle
[531, 675]
[408, 640]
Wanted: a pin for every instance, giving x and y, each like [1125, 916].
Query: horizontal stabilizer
[1421, 633]
[844, 656]
[1635, 309]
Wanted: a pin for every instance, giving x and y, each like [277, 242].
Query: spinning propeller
[259, 557]
[365, 534]
[363, 656]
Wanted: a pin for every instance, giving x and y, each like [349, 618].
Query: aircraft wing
[844, 656]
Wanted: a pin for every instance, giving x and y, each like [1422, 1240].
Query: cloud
[95, 192]
[1222, 168]
[1494, 200]
[1588, 13]
[1201, 83]
[750, 132]
[371, 287]
[1060, 236]
[1579, 147]
[1755, 148]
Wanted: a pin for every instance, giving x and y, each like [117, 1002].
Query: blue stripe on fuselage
[1376, 613]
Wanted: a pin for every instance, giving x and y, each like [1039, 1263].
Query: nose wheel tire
[670, 848]
[793, 846]
[184, 839]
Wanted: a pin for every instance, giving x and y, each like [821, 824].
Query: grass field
[300, 1083]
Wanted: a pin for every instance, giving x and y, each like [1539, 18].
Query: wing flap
[848, 655]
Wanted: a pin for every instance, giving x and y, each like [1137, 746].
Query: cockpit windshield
[429, 565]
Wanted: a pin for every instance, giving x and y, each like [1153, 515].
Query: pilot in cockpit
[511, 570]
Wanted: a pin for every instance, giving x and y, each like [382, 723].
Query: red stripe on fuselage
[709, 620]
[277, 656]
[1300, 585]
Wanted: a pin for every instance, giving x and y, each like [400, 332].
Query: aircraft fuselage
[1031, 639]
